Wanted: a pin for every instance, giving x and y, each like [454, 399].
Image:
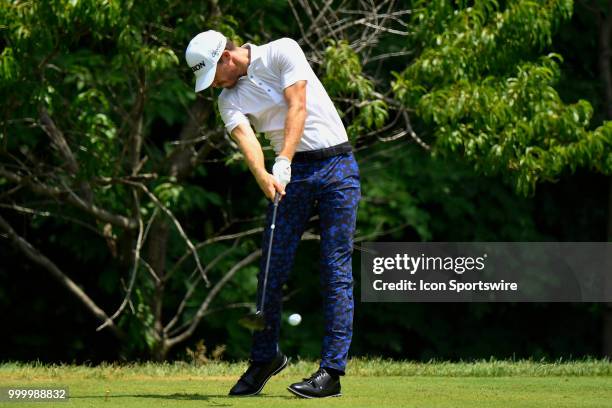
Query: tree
[100, 128]
[480, 82]
[95, 79]
[83, 84]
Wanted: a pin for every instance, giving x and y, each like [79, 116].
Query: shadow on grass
[182, 396]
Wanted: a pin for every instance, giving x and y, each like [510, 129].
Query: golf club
[257, 321]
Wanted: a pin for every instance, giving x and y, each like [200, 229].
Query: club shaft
[272, 226]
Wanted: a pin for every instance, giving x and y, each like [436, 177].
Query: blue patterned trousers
[331, 188]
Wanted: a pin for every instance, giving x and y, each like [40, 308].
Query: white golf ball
[295, 319]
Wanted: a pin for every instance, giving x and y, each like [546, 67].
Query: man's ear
[225, 57]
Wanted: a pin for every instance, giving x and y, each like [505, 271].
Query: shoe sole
[299, 394]
[278, 370]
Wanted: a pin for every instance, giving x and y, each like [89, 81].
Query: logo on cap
[198, 66]
[216, 51]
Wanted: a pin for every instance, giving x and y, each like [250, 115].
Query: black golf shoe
[256, 376]
[320, 384]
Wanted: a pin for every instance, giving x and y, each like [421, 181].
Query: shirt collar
[255, 54]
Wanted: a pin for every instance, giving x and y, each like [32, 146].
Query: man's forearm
[253, 155]
[294, 127]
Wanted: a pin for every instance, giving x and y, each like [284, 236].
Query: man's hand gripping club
[269, 183]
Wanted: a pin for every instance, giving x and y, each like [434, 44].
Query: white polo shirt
[257, 98]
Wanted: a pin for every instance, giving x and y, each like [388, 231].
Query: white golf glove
[282, 170]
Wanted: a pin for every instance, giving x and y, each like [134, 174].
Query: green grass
[369, 383]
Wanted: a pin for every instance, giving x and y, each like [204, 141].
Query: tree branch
[209, 241]
[37, 257]
[59, 141]
[192, 288]
[128, 293]
[178, 226]
[71, 198]
[209, 298]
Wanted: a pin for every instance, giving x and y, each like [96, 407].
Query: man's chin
[233, 84]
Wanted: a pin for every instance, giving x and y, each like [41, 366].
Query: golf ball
[295, 319]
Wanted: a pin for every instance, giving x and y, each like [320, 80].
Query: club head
[253, 321]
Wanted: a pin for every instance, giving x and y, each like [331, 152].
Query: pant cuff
[333, 369]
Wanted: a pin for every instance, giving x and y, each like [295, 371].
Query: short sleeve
[290, 62]
[231, 115]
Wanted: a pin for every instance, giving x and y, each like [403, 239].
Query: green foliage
[388, 203]
[482, 86]
[185, 197]
[343, 77]
[481, 34]
[487, 104]
[104, 71]
[411, 196]
[145, 316]
[8, 67]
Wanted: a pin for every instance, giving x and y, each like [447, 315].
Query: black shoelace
[314, 377]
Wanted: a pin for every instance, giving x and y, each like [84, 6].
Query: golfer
[272, 88]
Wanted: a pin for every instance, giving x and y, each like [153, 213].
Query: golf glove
[282, 170]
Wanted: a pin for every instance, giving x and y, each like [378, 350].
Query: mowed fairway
[370, 383]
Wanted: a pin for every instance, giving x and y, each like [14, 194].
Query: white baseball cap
[202, 54]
